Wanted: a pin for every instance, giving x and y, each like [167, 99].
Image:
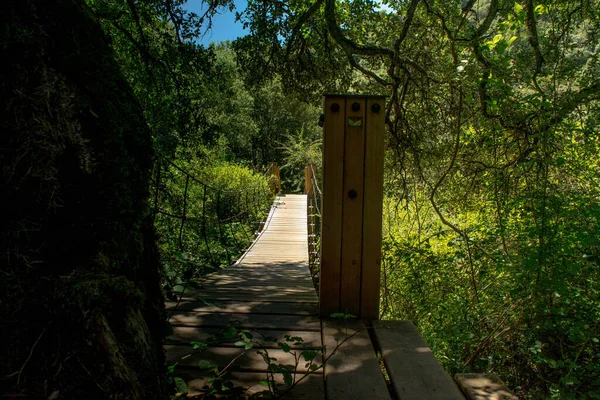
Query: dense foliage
[203, 226]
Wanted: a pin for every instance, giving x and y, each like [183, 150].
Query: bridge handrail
[207, 225]
[314, 197]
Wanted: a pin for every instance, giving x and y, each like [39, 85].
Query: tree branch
[487, 22]
[409, 17]
[348, 45]
[301, 21]
[533, 35]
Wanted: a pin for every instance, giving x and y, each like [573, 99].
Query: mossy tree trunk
[81, 311]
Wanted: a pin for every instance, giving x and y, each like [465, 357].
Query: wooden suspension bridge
[263, 322]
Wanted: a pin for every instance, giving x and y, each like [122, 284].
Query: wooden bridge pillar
[274, 178]
[352, 205]
[308, 178]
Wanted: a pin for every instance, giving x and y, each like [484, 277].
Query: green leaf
[230, 332]
[342, 316]
[290, 338]
[181, 385]
[199, 345]
[246, 335]
[178, 288]
[206, 365]
[309, 355]
[284, 346]
[354, 122]
[287, 377]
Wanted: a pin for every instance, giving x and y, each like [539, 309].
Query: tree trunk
[81, 310]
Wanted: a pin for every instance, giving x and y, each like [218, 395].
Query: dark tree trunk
[80, 304]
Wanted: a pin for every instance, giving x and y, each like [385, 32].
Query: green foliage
[298, 151]
[206, 218]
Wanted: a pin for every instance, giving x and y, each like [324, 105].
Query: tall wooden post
[309, 178]
[352, 205]
[274, 178]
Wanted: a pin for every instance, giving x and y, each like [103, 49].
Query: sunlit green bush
[206, 217]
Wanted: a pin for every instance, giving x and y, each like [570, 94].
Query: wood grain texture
[254, 321]
[331, 221]
[414, 371]
[245, 307]
[310, 388]
[353, 372]
[248, 360]
[372, 210]
[188, 334]
[483, 387]
[352, 212]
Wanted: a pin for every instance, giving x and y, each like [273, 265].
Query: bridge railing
[204, 226]
[313, 210]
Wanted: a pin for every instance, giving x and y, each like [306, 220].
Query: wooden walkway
[269, 291]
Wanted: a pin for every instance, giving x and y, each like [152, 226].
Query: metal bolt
[375, 108]
[355, 106]
[352, 194]
[335, 107]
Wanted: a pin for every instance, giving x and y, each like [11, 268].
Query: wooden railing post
[274, 178]
[309, 182]
[352, 205]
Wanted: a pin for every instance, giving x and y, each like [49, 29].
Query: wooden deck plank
[248, 360]
[258, 289]
[413, 370]
[211, 297]
[254, 321]
[353, 372]
[245, 307]
[483, 387]
[186, 335]
[310, 388]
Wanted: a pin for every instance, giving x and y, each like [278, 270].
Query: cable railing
[313, 212]
[203, 227]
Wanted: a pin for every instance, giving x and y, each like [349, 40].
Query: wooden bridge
[270, 293]
[260, 324]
